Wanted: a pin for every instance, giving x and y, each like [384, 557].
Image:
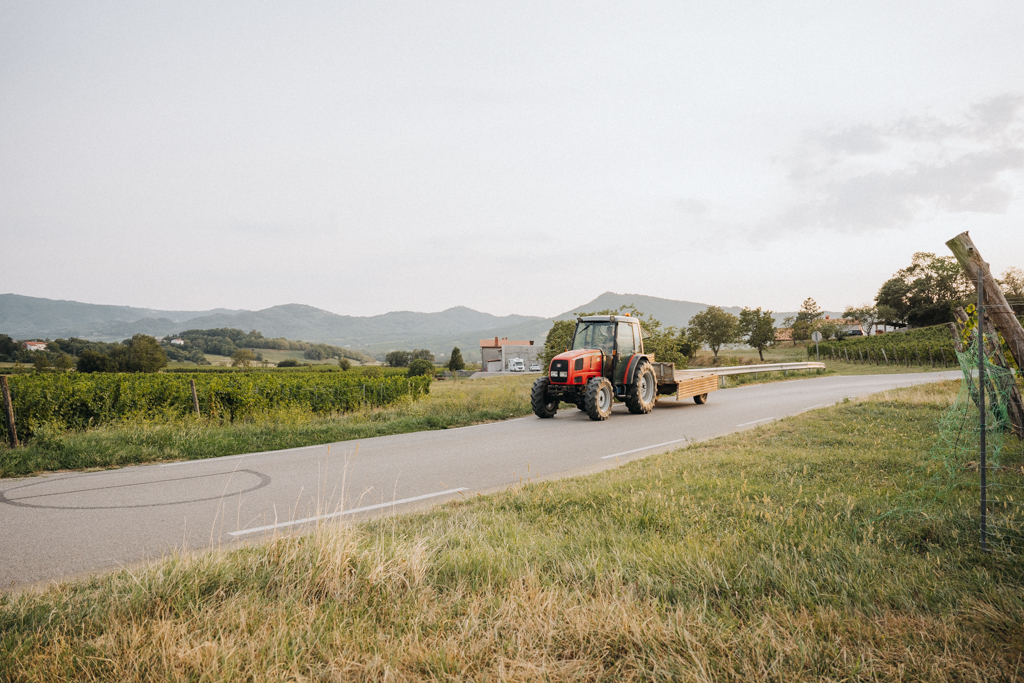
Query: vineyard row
[77, 401]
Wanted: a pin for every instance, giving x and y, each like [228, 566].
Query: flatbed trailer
[684, 384]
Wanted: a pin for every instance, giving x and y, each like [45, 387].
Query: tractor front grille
[560, 371]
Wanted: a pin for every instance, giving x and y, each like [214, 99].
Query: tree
[1012, 283]
[420, 366]
[141, 353]
[8, 348]
[95, 361]
[242, 358]
[423, 354]
[805, 320]
[716, 328]
[316, 353]
[758, 327]
[41, 361]
[455, 362]
[344, 363]
[926, 292]
[866, 316]
[558, 340]
[398, 359]
[688, 343]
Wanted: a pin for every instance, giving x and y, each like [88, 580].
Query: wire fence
[977, 449]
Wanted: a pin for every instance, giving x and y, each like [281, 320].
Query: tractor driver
[605, 339]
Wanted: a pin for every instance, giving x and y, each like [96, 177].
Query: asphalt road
[62, 525]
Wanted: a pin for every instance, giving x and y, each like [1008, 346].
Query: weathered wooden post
[996, 306]
[195, 396]
[12, 432]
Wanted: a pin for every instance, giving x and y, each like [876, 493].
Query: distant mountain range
[24, 317]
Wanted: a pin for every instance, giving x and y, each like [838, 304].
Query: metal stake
[981, 406]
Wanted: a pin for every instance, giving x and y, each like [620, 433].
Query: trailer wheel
[700, 400]
[543, 405]
[598, 399]
[641, 396]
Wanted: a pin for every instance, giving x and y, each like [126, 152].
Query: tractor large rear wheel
[598, 399]
[641, 396]
[543, 404]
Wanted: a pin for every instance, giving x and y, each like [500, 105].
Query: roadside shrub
[421, 367]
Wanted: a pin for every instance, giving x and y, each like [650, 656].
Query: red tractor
[605, 363]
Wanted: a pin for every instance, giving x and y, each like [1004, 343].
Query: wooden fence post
[996, 306]
[12, 432]
[195, 396]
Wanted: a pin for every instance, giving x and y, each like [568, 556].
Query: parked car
[534, 367]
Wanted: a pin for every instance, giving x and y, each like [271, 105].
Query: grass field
[763, 556]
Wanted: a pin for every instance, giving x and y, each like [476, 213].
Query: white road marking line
[820, 405]
[637, 450]
[755, 422]
[365, 508]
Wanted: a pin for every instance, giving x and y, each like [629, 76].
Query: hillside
[25, 317]
[669, 311]
[30, 316]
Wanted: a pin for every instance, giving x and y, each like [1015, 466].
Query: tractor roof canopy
[609, 319]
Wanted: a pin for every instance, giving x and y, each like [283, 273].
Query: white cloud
[867, 177]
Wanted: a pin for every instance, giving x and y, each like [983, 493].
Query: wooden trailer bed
[683, 384]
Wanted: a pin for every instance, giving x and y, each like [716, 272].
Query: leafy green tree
[688, 343]
[558, 340]
[805, 320]
[344, 363]
[41, 361]
[95, 361]
[141, 353]
[1012, 283]
[716, 328]
[866, 316]
[455, 362]
[830, 330]
[809, 311]
[8, 348]
[420, 366]
[398, 359]
[758, 329]
[926, 292]
[422, 354]
[242, 358]
[63, 362]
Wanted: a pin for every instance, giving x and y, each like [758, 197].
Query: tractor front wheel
[543, 404]
[598, 399]
[641, 396]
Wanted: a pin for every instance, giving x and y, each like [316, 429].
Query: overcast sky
[512, 157]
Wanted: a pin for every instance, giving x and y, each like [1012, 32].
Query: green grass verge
[762, 556]
[450, 404]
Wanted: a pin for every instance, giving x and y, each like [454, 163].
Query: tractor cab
[608, 341]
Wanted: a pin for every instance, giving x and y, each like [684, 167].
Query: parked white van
[516, 365]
